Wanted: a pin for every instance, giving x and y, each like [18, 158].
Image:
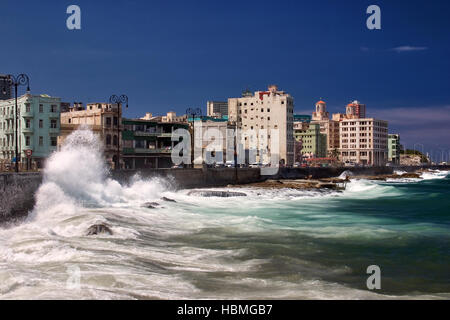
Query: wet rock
[221, 194]
[97, 229]
[150, 205]
[167, 199]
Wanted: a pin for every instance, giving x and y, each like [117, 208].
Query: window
[115, 121]
[27, 141]
[27, 107]
[53, 108]
[108, 123]
[268, 110]
[115, 140]
[28, 124]
[108, 138]
[53, 124]
[53, 141]
[41, 141]
[41, 108]
[41, 123]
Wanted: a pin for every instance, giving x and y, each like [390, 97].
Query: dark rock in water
[97, 229]
[167, 199]
[221, 194]
[150, 205]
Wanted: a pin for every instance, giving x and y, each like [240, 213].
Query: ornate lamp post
[193, 113]
[118, 100]
[16, 81]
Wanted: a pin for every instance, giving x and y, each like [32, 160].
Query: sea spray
[77, 176]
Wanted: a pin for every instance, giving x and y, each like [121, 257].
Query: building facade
[355, 110]
[364, 141]
[148, 143]
[394, 148]
[217, 109]
[266, 110]
[329, 128]
[313, 142]
[103, 119]
[38, 128]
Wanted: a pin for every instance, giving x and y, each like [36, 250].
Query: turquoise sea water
[271, 244]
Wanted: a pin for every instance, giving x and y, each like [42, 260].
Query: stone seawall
[17, 190]
[17, 194]
[195, 178]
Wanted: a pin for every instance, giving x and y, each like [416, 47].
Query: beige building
[364, 141]
[103, 119]
[170, 117]
[272, 109]
[328, 127]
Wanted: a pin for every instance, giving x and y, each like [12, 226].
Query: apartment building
[329, 128]
[364, 141]
[103, 119]
[147, 143]
[265, 110]
[394, 148]
[313, 141]
[38, 129]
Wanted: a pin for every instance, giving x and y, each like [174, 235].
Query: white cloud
[408, 49]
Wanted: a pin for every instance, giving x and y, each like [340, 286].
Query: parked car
[350, 164]
[230, 164]
[219, 165]
[255, 165]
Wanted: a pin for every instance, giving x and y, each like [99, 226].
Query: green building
[148, 143]
[314, 143]
[38, 128]
[394, 148]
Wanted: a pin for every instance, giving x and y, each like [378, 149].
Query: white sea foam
[154, 252]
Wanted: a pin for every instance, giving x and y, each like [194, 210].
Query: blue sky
[170, 55]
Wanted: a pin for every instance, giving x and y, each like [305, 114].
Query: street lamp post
[16, 81]
[114, 99]
[192, 113]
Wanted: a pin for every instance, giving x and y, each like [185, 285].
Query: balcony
[152, 151]
[153, 134]
[27, 130]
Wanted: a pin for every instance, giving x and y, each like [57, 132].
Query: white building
[364, 141]
[266, 110]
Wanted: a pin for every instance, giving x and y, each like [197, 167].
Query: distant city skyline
[173, 55]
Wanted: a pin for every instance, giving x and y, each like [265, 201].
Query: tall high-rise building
[266, 110]
[5, 88]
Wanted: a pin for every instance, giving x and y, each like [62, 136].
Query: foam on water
[167, 251]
